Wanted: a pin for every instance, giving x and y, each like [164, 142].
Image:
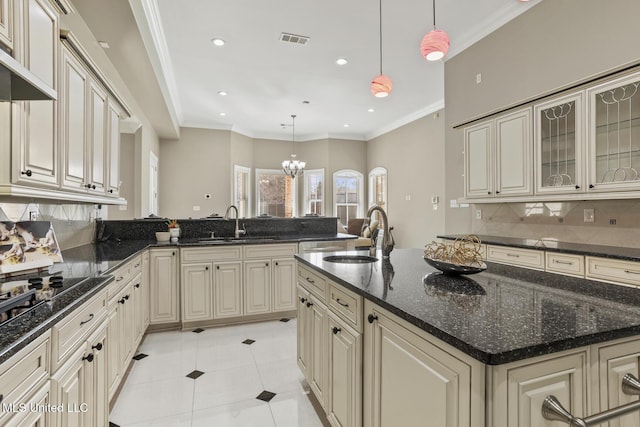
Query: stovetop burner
[20, 295]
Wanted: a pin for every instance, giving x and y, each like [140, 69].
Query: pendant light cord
[293, 133]
[434, 13]
[380, 36]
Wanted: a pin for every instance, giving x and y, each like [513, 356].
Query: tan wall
[414, 158]
[553, 46]
[195, 165]
[127, 176]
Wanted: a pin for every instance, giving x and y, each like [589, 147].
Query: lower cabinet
[33, 418]
[227, 290]
[257, 286]
[197, 290]
[163, 282]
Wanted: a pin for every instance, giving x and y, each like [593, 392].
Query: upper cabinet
[614, 135]
[559, 145]
[6, 23]
[498, 156]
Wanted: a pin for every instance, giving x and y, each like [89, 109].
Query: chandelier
[293, 167]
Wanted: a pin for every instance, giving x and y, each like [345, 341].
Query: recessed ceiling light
[222, 93]
[346, 125]
[103, 44]
[341, 61]
[222, 114]
[371, 110]
[217, 42]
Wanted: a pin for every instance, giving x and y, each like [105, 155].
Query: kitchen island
[482, 350]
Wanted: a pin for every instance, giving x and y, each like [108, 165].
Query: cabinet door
[6, 23]
[612, 364]
[140, 298]
[127, 325]
[513, 150]
[97, 137]
[163, 286]
[114, 370]
[344, 403]
[33, 418]
[227, 286]
[145, 290]
[614, 129]
[68, 388]
[478, 161]
[97, 401]
[73, 120]
[410, 380]
[112, 161]
[319, 336]
[559, 145]
[34, 139]
[284, 284]
[303, 333]
[257, 286]
[522, 388]
[197, 290]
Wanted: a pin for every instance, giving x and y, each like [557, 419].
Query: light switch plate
[478, 213]
[589, 215]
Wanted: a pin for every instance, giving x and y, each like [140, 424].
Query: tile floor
[240, 376]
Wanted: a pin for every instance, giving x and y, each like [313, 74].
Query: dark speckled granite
[630, 254]
[26, 327]
[501, 315]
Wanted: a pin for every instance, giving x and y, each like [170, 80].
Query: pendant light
[381, 85]
[293, 167]
[435, 43]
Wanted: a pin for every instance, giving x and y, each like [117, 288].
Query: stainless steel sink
[244, 239]
[350, 259]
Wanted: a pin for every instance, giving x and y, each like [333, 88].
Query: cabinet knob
[302, 300]
[137, 285]
[266, 264]
[335, 330]
[126, 297]
[27, 172]
[97, 347]
[371, 318]
[276, 263]
[591, 186]
[309, 304]
[206, 268]
[88, 357]
[497, 192]
[122, 301]
[577, 187]
[217, 267]
[111, 191]
[488, 192]
[173, 254]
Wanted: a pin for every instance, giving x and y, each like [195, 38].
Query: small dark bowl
[455, 269]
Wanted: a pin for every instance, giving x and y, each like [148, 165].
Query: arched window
[348, 195]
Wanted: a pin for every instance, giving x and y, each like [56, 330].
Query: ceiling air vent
[293, 38]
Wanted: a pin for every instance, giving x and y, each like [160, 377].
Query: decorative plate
[455, 269]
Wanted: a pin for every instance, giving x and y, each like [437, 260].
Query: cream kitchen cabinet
[498, 157]
[34, 130]
[96, 142]
[303, 333]
[112, 159]
[197, 292]
[80, 385]
[284, 284]
[141, 302]
[36, 418]
[614, 122]
[559, 145]
[530, 258]
[227, 290]
[164, 305]
[317, 336]
[257, 286]
[121, 334]
[410, 377]
[7, 24]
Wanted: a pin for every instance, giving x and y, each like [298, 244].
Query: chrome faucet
[387, 238]
[238, 231]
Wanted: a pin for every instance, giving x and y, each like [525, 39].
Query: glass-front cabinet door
[558, 140]
[614, 135]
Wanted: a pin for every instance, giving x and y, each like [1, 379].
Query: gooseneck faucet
[238, 231]
[387, 238]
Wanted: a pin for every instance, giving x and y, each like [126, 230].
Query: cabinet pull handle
[122, 300]
[137, 265]
[97, 347]
[513, 255]
[344, 304]
[371, 318]
[335, 330]
[137, 285]
[632, 272]
[88, 320]
[553, 410]
[577, 187]
[591, 186]
[27, 172]
[1, 397]
[119, 278]
[302, 300]
[557, 261]
[309, 304]
[310, 280]
[88, 357]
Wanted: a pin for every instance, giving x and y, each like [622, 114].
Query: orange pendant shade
[434, 45]
[381, 86]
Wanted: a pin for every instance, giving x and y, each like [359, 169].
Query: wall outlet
[33, 216]
[478, 78]
[407, 197]
[478, 213]
[612, 221]
[589, 215]
[196, 208]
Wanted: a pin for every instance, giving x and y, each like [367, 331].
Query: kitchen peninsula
[452, 349]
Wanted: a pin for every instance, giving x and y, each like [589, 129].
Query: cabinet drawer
[72, 330]
[516, 256]
[613, 270]
[346, 304]
[23, 372]
[572, 265]
[123, 275]
[312, 282]
[227, 253]
[270, 251]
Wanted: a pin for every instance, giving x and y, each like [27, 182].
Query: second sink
[350, 259]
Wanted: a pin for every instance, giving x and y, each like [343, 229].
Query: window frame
[360, 188]
[294, 190]
[373, 174]
[306, 195]
[234, 188]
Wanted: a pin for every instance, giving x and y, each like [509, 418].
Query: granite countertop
[629, 254]
[96, 262]
[498, 316]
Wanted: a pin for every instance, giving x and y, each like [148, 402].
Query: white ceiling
[267, 80]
